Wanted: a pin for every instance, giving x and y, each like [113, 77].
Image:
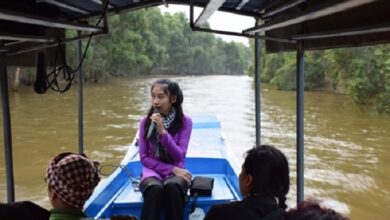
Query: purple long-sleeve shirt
[176, 146]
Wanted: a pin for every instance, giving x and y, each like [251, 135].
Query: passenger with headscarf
[71, 179]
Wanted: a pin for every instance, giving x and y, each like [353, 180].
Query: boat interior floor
[130, 198]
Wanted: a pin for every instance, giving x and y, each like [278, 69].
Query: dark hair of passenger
[270, 172]
[172, 89]
[311, 210]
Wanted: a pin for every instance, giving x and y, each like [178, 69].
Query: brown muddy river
[346, 149]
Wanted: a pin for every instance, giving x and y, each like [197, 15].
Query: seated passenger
[123, 217]
[311, 210]
[71, 179]
[264, 183]
[23, 210]
[164, 135]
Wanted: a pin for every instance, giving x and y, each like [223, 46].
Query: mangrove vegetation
[361, 72]
[148, 42]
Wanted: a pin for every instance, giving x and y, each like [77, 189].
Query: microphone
[152, 126]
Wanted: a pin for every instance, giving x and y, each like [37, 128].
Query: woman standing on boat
[163, 140]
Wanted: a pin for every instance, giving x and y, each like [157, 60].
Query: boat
[208, 155]
[286, 25]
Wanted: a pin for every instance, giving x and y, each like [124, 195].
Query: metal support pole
[6, 126]
[191, 13]
[257, 89]
[80, 96]
[300, 120]
[105, 18]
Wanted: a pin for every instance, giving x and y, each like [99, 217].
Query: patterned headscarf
[73, 177]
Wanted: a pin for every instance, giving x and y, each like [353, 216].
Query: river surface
[347, 152]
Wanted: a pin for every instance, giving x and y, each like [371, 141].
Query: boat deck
[208, 155]
[130, 201]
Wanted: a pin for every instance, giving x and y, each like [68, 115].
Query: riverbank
[346, 156]
[374, 105]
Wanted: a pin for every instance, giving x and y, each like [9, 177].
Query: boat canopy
[321, 24]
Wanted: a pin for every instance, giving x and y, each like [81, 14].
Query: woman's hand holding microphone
[158, 119]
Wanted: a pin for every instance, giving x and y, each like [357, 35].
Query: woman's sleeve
[146, 159]
[178, 150]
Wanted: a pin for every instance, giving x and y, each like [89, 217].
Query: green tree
[362, 72]
[147, 42]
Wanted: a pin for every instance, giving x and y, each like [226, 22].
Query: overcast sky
[219, 21]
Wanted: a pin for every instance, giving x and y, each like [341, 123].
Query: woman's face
[245, 181]
[162, 100]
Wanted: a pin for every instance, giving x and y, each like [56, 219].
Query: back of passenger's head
[72, 177]
[270, 172]
[311, 210]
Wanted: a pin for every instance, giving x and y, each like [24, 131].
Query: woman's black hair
[270, 173]
[172, 89]
[311, 210]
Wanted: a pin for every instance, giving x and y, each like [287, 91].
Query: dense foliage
[148, 42]
[362, 72]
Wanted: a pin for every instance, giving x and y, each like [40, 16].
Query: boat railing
[107, 169]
